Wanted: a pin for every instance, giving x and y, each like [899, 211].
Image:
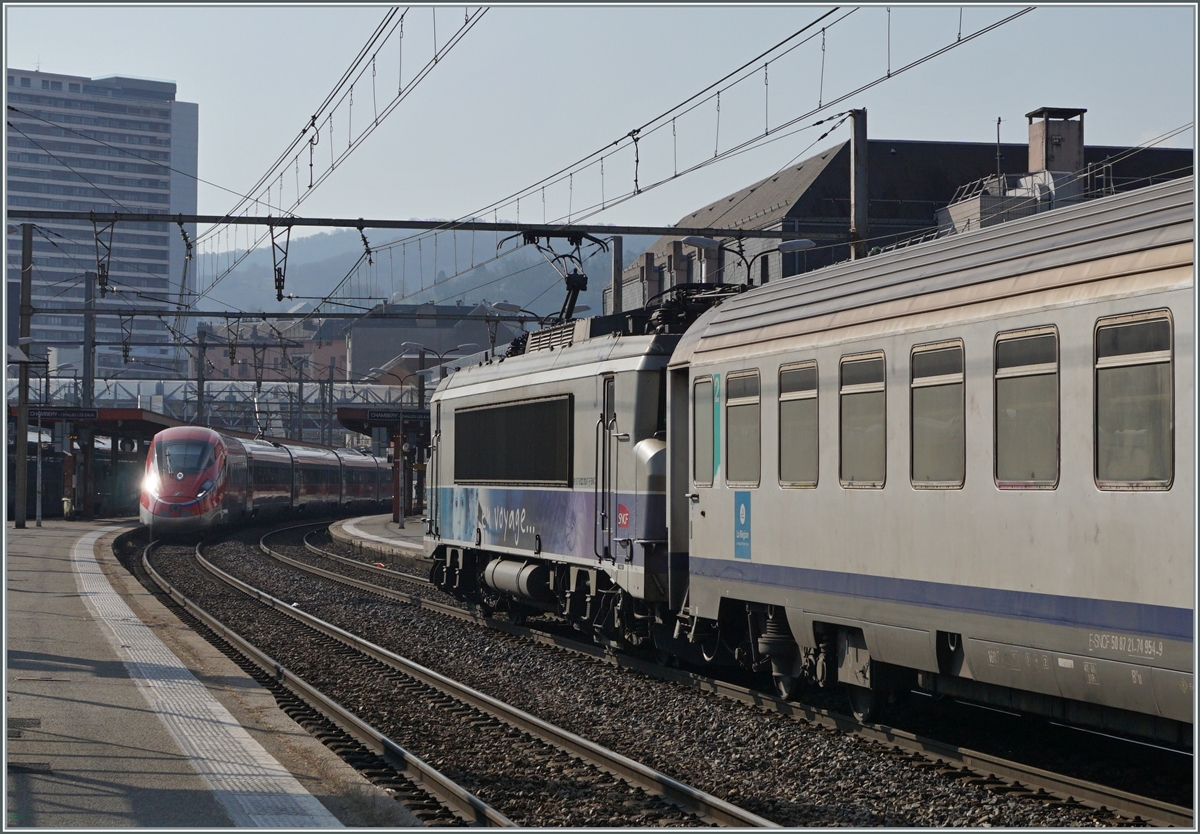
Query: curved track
[449, 795]
[1000, 774]
[581, 772]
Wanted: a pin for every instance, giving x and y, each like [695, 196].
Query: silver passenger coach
[965, 466]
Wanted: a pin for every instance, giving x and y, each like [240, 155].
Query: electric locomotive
[965, 466]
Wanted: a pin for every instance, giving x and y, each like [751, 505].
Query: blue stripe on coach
[1139, 618]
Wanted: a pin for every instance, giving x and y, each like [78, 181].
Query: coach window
[1134, 432]
[798, 425]
[863, 422]
[939, 447]
[743, 421]
[1027, 409]
[702, 432]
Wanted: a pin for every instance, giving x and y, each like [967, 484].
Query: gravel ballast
[793, 773]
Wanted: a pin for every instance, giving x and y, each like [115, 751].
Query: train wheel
[865, 704]
[786, 686]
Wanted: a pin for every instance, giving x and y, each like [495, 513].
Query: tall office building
[101, 144]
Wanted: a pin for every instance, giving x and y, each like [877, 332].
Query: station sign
[385, 415]
[416, 428]
[413, 423]
[64, 413]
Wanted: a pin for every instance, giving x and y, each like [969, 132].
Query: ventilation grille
[552, 337]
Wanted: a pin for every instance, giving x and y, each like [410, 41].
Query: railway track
[409, 578]
[999, 774]
[521, 743]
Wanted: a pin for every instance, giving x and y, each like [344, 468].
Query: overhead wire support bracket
[279, 255]
[258, 366]
[231, 336]
[187, 242]
[187, 259]
[103, 251]
[366, 245]
[313, 141]
[126, 337]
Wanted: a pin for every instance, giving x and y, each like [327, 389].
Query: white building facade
[100, 144]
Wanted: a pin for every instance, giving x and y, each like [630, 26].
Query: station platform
[379, 536]
[118, 715]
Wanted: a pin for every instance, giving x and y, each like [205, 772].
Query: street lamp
[441, 355]
[707, 244]
[541, 320]
[401, 379]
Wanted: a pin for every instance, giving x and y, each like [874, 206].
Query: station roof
[139, 423]
[134, 423]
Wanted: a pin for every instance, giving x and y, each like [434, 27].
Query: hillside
[414, 273]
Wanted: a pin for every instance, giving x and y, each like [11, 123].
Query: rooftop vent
[1055, 140]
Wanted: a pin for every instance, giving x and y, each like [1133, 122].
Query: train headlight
[204, 488]
[150, 484]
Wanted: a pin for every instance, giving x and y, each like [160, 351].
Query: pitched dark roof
[907, 182]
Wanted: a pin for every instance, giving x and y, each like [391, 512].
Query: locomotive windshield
[189, 457]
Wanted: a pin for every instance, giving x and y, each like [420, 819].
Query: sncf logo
[622, 516]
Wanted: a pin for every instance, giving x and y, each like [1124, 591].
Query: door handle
[694, 497]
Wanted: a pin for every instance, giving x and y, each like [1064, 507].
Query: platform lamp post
[45, 404]
[400, 498]
[441, 355]
[707, 244]
[44, 401]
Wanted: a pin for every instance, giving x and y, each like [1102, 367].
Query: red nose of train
[179, 489]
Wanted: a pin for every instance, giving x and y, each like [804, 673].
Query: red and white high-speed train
[197, 478]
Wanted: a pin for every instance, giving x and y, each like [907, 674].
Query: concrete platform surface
[379, 535]
[119, 715]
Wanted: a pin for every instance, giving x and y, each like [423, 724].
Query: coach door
[706, 460]
[606, 469]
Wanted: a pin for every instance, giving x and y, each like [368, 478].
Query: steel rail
[360, 584]
[686, 797]
[463, 803]
[985, 765]
[1026, 776]
[406, 577]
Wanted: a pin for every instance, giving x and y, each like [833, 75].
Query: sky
[529, 90]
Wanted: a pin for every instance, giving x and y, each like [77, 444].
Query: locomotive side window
[702, 432]
[742, 418]
[939, 447]
[514, 443]
[1135, 440]
[798, 425]
[863, 416]
[1027, 409]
